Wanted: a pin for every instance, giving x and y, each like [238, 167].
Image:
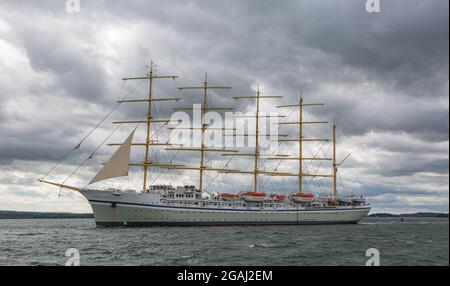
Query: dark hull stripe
[232, 210]
[218, 223]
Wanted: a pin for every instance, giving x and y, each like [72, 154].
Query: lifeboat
[227, 196]
[277, 197]
[302, 198]
[253, 196]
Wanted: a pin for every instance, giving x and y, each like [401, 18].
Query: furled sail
[117, 166]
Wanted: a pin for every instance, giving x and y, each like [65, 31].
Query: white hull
[144, 209]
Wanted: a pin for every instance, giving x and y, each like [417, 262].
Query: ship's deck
[242, 205]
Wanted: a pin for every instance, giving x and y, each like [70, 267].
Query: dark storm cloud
[76, 71]
[403, 51]
[314, 44]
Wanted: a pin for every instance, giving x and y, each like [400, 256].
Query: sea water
[414, 241]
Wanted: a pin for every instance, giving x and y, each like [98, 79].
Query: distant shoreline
[46, 215]
[41, 215]
[419, 214]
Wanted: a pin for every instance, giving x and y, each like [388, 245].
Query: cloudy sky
[383, 76]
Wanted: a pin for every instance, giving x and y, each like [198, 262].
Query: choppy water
[416, 241]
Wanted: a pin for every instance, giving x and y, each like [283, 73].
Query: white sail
[117, 165]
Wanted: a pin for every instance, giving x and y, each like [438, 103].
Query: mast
[204, 127]
[334, 162]
[149, 120]
[148, 134]
[300, 141]
[256, 169]
[300, 145]
[256, 154]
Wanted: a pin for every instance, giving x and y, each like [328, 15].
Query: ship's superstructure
[168, 204]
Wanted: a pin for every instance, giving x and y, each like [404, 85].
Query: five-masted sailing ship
[187, 205]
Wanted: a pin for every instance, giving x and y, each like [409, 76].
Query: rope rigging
[99, 146]
[78, 146]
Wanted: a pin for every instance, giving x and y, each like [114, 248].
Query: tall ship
[169, 204]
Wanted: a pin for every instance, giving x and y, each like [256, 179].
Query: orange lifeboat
[228, 196]
[302, 198]
[253, 196]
